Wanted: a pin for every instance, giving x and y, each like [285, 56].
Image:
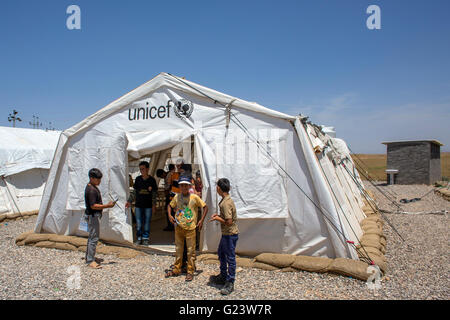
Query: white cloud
[364, 127]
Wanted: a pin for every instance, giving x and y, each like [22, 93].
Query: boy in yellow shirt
[186, 207]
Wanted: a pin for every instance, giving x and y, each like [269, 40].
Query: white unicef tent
[283, 200]
[25, 159]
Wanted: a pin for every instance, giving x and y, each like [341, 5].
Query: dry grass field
[376, 165]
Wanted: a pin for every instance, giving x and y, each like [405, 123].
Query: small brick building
[417, 162]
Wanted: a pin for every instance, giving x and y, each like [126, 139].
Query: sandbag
[370, 250]
[377, 257]
[371, 237]
[21, 237]
[36, 237]
[368, 210]
[29, 213]
[82, 248]
[207, 256]
[13, 215]
[311, 264]
[127, 253]
[65, 246]
[370, 224]
[244, 262]
[76, 241]
[373, 230]
[350, 268]
[57, 238]
[2, 217]
[280, 260]
[107, 250]
[380, 262]
[20, 243]
[370, 243]
[45, 244]
[376, 218]
[263, 266]
[289, 269]
[365, 222]
[210, 261]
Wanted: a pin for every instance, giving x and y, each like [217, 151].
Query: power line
[35, 124]
[13, 118]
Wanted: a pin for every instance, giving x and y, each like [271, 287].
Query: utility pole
[13, 117]
[35, 123]
[50, 127]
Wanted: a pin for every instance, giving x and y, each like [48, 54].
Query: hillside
[375, 165]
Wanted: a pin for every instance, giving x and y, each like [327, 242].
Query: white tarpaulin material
[24, 149]
[277, 184]
[25, 159]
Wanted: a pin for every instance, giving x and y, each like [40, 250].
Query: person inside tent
[160, 173]
[94, 210]
[173, 179]
[146, 191]
[198, 184]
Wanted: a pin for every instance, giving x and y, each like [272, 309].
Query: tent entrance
[159, 239]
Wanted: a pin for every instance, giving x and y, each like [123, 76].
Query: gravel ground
[418, 269]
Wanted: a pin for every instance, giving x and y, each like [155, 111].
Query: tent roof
[167, 80]
[23, 149]
[412, 141]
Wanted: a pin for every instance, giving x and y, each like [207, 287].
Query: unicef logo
[183, 108]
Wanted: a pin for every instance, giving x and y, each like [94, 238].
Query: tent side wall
[64, 199]
[22, 192]
[337, 230]
[344, 195]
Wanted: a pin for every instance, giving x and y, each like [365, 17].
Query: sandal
[170, 273]
[99, 260]
[94, 265]
[189, 277]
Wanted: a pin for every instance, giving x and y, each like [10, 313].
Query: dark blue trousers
[227, 256]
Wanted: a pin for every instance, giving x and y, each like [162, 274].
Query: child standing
[230, 235]
[186, 207]
[94, 210]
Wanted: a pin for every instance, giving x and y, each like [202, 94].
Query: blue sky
[312, 57]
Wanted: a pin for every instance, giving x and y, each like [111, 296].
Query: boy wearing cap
[186, 207]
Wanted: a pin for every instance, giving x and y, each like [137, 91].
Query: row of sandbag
[17, 215]
[372, 245]
[46, 240]
[291, 263]
[443, 192]
[373, 241]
